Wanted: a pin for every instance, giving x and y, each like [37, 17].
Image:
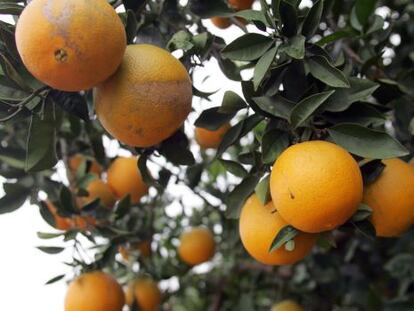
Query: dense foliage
[335, 70]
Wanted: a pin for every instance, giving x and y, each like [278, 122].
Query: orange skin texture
[258, 226]
[196, 246]
[94, 291]
[61, 223]
[60, 48]
[146, 292]
[125, 178]
[221, 22]
[316, 186]
[211, 139]
[76, 160]
[147, 99]
[144, 249]
[84, 222]
[391, 198]
[100, 190]
[240, 5]
[287, 305]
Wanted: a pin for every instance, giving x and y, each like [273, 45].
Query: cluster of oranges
[317, 186]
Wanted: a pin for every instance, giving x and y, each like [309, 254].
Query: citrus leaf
[311, 23]
[248, 47]
[232, 103]
[51, 249]
[262, 67]
[295, 47]
[14, 198]
[371, 171]
[273, 144]
[233, 168]
[212, 119]
[289, 18]
[55, 279]
[365, 142]
[262, 190]
[363, 212]
[286, 234]
[322, 70]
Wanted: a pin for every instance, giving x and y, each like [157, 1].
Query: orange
[259, 225]
[61, 223]
[196, 246]
[98, 189]
[84, 222]
[210, 139]
[287, 305]
[147, 99]
[144, 249]
[146, 293]
[240, 5]
[316, 186]
[221, 22]
[61, 42]
[78, 159]
[391, 197]
[125, 178]
[94, 291]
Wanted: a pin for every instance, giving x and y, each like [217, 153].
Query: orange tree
[306, 153]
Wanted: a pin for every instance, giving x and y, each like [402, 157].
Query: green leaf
[262, 67]
[371, 171]
[238, 196]
[233, 168]
[248, 47]
[212, 119]
[41, 142]
[51, 249]
[9, 8]
[286, 234]
[289, 18]
[67, 205]
[181, 40]
[312, 20]
[123, 207]
[324, 71]
[276, 106]
[363, 212]
[231, 104]
[360, 89]
[295, 47]
[307, 107]
[48, 236]
[253, 16]
[273, 144]
[343, 33]
[55, 279]
[176, 149]
[14, 198]
[365, 142]
[207, 9]
[364, 9]
[131, 26]
[262, 190]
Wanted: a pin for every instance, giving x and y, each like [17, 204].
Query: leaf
[134, 5]
[233, 168]
[253, 16]
[207, 9]
[273, 144]
[295, 47]
[212, 119]
[262, 190]
[9, 8]
[365, 142]
[181, 41]
[364, 9]
[371, 171]
[248, 47]
[366, 228]
[67, 205]
[143, 169]
[289, 18]
[359, 90]
[276, 106]
[51, 249]
[48, 236]
[286, 234]
[262, 67]
[307, 107]
[14, 198]
[343, 33]
[123, 207]
[322, 70]
[176, 149]
[231, 104]
[55, 279]
[238, 196]
[41, 142]
[131, 26]
[313, 18]
[363, 213]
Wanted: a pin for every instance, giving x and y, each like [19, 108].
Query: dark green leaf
[123, 207]
[371, 171]
[365, 142]
[286, 234]
[276, 106]
[14, 198]
[248, 47]
[55, 279]
[231, 103]
[363, 213]
[233, 168]
[262, 67]
[364, 9]
[50, 249]
[212, 119]
[311, 23]
[295, 47]
[262, 190]
[289, 18]
[322, 70]
[273, 144]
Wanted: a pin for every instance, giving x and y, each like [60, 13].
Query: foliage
[336, 71]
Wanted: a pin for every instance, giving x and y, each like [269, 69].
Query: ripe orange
[258, 226]
[316, 186]
[125, 178]
[196, 246]
[60, 48]
[97, 189]
[146, 293]
[287, 305]
[221, 22]
[78, 159]
[83, 223]
[144, 249]
[94, 291]
[391, 197]
[240, 5]
[210, 139]
[147, 99]
[61, 223]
